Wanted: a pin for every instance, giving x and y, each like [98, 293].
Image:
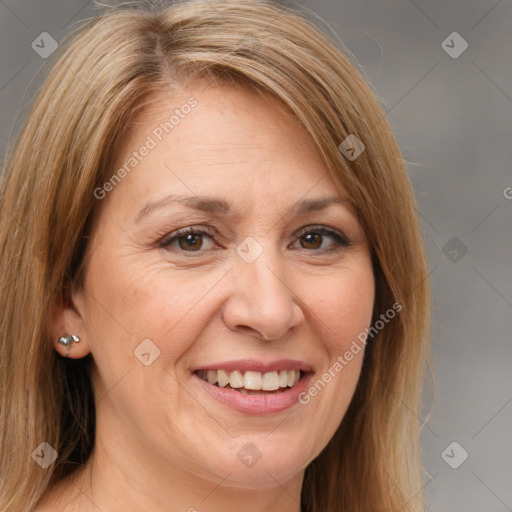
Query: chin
[260, 463]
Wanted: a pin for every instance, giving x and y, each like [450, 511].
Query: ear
[66, 317]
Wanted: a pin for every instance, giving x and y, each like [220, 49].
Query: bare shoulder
[63, 497]
[50, 502]
[47, 505]
[44, 507]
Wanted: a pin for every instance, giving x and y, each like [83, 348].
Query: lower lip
[256, 404]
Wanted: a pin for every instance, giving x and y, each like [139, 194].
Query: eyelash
[340, 239]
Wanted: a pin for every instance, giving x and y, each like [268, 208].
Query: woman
[214, 286]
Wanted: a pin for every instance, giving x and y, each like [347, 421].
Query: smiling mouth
[250, 382]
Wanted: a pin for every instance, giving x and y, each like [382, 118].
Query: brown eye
[188, 240]
[321, 239]
[311, 241]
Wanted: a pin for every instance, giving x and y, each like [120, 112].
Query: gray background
[453, 118]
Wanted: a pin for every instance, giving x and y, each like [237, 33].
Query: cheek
[146, 302]
[344, 311]
[134, 312]
[168, 308]
[346, 305]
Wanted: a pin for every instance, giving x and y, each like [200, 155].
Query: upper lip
[256, 365]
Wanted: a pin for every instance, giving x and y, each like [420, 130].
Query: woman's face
[225, 253]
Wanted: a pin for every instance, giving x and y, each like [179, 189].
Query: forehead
[207, 136]
[223, 117]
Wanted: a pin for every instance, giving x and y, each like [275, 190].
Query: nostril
[253, 332]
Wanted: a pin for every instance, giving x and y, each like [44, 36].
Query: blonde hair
[66, 149]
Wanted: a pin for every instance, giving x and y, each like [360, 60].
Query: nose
[261, 302]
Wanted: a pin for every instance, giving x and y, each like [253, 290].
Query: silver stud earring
[67, 341]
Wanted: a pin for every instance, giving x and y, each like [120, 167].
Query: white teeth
[253, 381]
[236, 380]
[270, 381]
[222, 378]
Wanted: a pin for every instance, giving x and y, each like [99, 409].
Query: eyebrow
[219, 206]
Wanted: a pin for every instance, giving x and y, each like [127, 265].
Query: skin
[162, 443]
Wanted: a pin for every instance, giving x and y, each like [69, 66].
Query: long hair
[66, 149]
